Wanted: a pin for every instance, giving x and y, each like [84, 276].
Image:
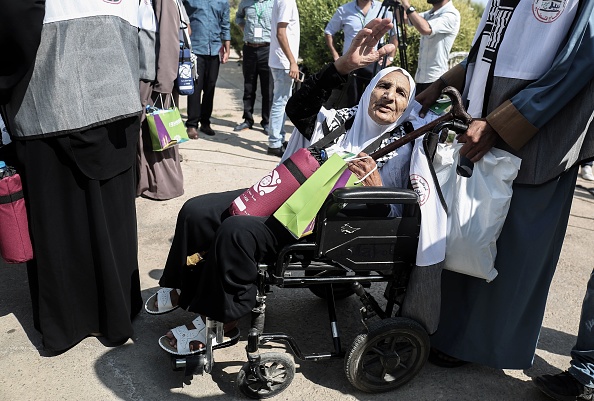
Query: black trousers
[255, 65]
[222, 285]
[200, 103]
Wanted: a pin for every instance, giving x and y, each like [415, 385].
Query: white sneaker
[587, 173]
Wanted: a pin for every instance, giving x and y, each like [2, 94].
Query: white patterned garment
[508, 43]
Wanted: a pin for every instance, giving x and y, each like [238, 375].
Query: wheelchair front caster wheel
[178, 363]
[191, 364]
[267, 377]
[390, 354]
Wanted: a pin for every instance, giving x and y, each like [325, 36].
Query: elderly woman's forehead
[396, 75]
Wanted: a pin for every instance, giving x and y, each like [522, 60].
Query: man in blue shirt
[211, 41]
[253, 17]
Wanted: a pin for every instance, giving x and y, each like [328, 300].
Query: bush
[236, 33]
[314, 15]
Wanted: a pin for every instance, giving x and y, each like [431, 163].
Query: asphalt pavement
[140, 370]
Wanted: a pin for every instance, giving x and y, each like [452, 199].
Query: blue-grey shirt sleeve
[335, 23]
[225, 23]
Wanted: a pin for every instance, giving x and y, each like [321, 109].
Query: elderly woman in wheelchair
[219, 278]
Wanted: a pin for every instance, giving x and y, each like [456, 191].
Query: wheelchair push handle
[457, 112]
[465, 166]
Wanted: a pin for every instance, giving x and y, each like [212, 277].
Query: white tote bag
[477, 207]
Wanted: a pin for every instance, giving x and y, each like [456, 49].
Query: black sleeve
[20, 33]
[304, 106]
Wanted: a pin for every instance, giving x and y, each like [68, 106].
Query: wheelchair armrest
[383, 195]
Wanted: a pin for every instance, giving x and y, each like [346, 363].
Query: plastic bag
[477, 208]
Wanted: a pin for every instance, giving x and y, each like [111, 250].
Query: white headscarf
[363, 131]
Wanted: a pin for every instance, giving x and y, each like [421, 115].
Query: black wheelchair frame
[352, 246]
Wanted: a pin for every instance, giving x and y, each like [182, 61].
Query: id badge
[258, 32]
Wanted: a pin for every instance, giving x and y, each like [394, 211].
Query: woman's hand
[363, 50]
[362, 167]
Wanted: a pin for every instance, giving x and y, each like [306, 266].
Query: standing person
[350, 18]
[577, 383]
[284, 51]
[438, 27]
[211, 43]
[160, 175]
[522, 97]
[77, 164]
[253, 17]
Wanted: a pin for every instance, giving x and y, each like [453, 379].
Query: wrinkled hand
[362, 167]
[478, 140]
[428, 97]
[362, 51]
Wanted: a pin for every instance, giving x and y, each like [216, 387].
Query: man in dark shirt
[253, 17]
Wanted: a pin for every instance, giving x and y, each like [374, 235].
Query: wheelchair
[354, 244]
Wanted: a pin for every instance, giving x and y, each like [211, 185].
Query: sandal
[163, 298]
[444, 360]
[185, 336]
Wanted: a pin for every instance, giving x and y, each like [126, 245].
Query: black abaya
[80, 194]
[222, 285]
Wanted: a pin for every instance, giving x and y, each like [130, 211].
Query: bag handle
[163, 103]
[348, 159]
[183, 25]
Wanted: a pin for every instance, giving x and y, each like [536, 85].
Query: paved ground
[139, 370]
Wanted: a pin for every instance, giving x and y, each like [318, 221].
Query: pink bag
[15, 243]
[268, 194]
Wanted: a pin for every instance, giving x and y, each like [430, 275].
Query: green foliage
[314, 15]
[236, 33]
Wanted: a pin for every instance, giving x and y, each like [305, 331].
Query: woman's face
[389, 98]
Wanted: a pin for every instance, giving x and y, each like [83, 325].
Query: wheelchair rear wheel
[390, 354]
[266, 378]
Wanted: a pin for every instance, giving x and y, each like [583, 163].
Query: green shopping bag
[298, 212]
[166, 127]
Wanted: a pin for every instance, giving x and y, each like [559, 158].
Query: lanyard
[259, 11]
[360, 14]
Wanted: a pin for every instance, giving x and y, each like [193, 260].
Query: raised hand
[363, 50]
